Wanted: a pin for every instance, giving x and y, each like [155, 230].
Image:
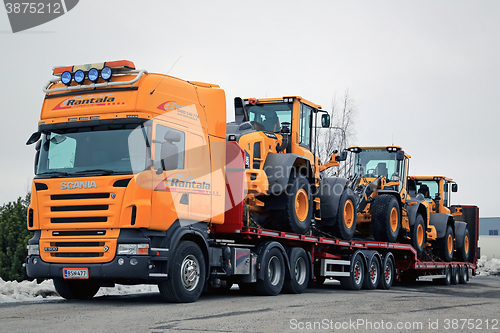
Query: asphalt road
[422, 307]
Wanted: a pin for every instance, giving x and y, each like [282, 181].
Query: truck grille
[77, 250]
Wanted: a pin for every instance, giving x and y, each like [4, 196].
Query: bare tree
[340, 133]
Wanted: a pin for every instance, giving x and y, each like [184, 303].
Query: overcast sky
[425, 75]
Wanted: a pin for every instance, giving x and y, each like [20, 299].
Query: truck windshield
[111, 149]
[376, 162]
[270, 115]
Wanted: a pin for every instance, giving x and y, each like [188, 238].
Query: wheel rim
[190, 272]
[420, 235]
[394, 219]
[348, 214]
[274, 270]
[388, 273]
[373, 272]
[301, 205]
[450, 244]
[300, 271]
[466, 245]
[357, 273]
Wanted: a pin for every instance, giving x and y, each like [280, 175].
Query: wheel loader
[285, 190]
[391, 209]
[449, 234]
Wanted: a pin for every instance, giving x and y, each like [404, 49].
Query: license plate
[75, 273]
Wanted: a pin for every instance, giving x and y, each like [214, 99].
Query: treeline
[14, 237]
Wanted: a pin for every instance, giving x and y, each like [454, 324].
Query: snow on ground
[488, 267]
[13, 291]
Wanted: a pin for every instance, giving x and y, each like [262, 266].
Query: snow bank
[488, 267]
[13, 291]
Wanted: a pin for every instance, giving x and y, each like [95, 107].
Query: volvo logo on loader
[78, 185]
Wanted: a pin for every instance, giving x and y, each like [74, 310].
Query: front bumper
[144, 269]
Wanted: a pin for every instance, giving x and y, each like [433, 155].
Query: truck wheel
[386, 218]
[447, 279]
[463, 251]
[447, 245]
[356, 277]
[297, 213]
[455, 275]
[345, 226]
[299, 272]
[372, 276]
[186, 274]
[274, 274]
[418, 235]
[387, 277]
[463, 274]
[76, 289]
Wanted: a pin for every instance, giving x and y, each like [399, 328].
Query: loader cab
[389, 162]
[436, 190]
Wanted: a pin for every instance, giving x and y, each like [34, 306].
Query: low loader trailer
[136, 183]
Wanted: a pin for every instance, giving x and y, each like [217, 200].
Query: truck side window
[160, 134]
[305, 125]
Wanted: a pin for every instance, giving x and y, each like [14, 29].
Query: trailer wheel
[455, 275]
[447, 246]
[463, 251]
[372, 276]
[297, 213]
[447, 279]
[387, 278]
[418, 235]
[299, 272]
[356, 277]
[463, 274]
[186, 274]
[345, 226]
[76, 289]
[386, 218]
[274, 274]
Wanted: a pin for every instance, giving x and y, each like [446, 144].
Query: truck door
[184, 189]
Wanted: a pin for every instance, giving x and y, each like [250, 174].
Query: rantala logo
[79, 185]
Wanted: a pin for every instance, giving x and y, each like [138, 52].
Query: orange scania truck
[135, 182]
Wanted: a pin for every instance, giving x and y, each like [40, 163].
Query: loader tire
[447, 245]
[386, 218]
[418, 235]
[297, 212]
[345, 226]
[463, 251]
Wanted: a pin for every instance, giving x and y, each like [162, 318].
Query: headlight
[33, 250]
[132, 249]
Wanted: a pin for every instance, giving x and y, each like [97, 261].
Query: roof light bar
[93, 75]
[106, 73]
[79, 76]
[66, 78]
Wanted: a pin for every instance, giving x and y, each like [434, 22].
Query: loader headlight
[132, 249]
